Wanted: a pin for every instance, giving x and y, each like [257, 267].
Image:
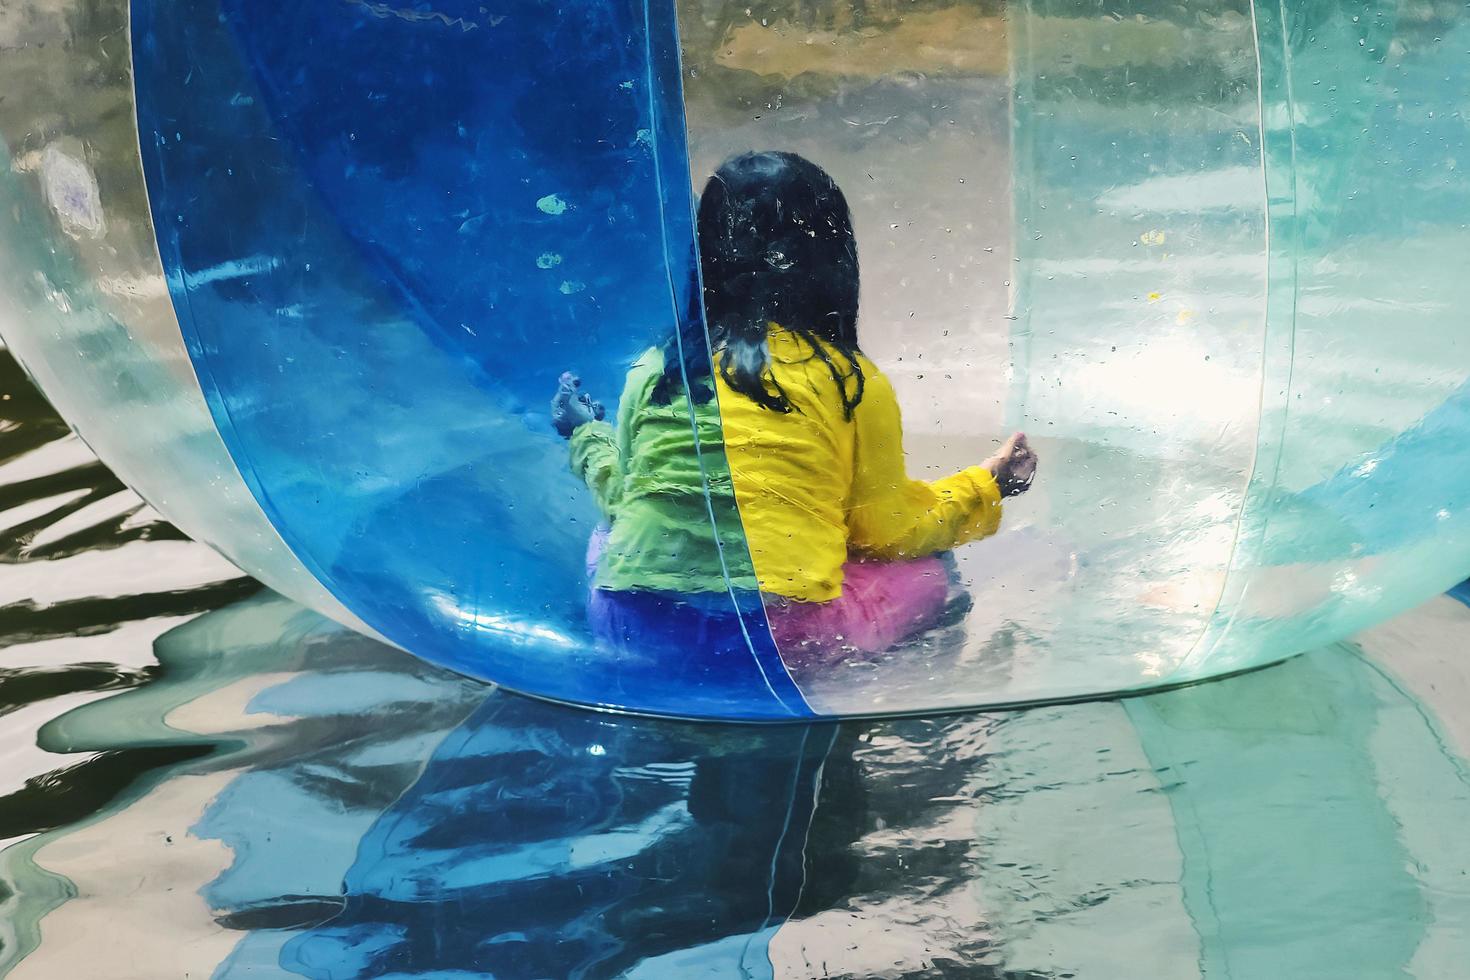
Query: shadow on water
[254, 792]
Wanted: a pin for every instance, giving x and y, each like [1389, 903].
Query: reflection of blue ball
[319, 325]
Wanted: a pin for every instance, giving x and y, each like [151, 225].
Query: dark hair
[775, 245]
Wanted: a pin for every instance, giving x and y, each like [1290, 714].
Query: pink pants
[882, 604]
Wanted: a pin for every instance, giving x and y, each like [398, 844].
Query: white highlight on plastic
[513, 630]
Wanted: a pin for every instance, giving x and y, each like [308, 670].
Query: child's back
[815, 487]
[839, 538]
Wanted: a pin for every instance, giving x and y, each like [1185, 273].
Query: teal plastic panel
[1263, 398]
[1358, 505]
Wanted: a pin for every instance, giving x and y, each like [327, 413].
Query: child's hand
[1014, 467]
[570, 409]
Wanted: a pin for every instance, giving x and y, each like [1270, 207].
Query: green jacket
[650, 482]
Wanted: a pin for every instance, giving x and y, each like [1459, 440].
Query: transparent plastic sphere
[307, 278]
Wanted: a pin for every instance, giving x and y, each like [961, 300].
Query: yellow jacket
[808, 487]
[813, 486]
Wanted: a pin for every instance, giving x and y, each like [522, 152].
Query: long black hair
[775, 246]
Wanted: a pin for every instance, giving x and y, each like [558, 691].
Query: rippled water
[198, 779]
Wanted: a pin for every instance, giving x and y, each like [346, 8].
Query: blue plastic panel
[387, 232]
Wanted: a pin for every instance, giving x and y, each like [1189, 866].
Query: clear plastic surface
[83, 301]
[1295, 378]
[1062, 225]
[1141, 257]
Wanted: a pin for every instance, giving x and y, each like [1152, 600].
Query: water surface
[199, 779]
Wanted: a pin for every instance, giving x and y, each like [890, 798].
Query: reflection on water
[333, 808]
[254, 792]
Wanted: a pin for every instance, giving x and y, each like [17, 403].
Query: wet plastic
[83, 301]
[380, 304]
[1205, 257]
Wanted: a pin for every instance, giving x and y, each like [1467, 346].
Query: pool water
[199, 779]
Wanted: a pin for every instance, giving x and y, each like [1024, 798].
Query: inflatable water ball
[306, 275]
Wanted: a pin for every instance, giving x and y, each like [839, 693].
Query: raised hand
[571, 407]
[1014, 467]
